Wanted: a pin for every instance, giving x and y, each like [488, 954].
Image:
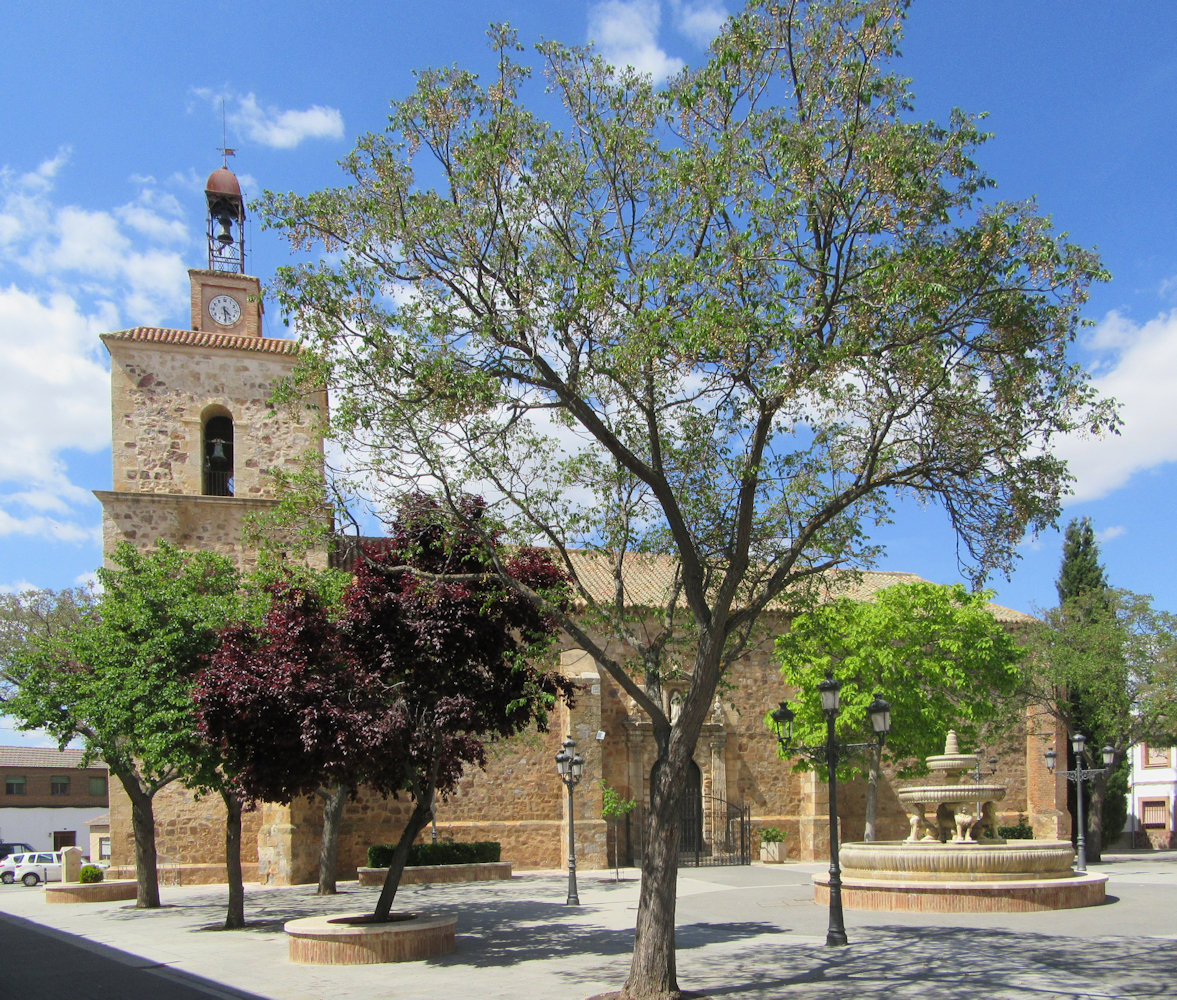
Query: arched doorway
[690, 808]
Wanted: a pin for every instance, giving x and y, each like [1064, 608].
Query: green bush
[1022, 831]
[772, 835]
[90, 874]
[479, 852]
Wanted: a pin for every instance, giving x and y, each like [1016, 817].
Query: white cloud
[19, 587]
[67, 274]
[1107, 534]
[1134, 364]
[626, 34]
[111, 255]
[271, 126]
[699, 20]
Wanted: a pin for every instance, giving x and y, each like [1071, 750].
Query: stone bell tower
[193, 435]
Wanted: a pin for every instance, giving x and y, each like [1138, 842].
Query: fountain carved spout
[964, 810]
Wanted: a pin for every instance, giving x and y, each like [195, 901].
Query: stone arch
[216, 451]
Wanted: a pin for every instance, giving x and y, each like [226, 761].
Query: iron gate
[712, 832]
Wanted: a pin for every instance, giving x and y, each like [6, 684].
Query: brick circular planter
[93, 892]
[343, 939]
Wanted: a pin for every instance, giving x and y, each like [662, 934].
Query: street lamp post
[1079, 775]
[829, 754]
[570, 767]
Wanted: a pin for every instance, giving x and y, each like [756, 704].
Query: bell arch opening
[217, 452]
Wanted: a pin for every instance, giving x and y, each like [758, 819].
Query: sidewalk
[743, 933]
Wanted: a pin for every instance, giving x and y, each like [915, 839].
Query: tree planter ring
[90, 892]
[347, 939]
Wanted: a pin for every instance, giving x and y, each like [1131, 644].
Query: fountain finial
[951, 746]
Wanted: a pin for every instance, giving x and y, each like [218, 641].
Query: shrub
[772, 835]
[1021, 831]
[479, 852]
[90, 874]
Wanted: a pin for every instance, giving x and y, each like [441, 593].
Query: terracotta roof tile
[198, 338]
[648, 579]
[43, 757]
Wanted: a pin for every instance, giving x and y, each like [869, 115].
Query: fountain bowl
[968, 877]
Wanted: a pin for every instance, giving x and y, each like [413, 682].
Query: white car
[9, 866]
[43, 866]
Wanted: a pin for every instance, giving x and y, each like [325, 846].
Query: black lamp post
[830, 754]
[1079, 775]
[570, 767]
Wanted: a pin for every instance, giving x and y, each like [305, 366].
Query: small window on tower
[218, 457]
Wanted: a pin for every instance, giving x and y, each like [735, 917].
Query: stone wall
[188, 830]
[160, 395]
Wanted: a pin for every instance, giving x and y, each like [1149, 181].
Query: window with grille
[1154, 813]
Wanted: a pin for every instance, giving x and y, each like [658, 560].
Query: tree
[935, 652]
[293, 712]
[613, 808]
[1118, 650]
[120, 677]
[724, 323]
[1082, 573]
[429, 657]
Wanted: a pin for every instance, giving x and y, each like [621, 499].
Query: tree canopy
[730, 320]
[120, 676]
[936, 653]
[428, 657]
[1080, 570]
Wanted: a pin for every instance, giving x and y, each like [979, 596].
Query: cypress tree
[1081, 573]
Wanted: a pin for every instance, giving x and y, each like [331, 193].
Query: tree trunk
[872, 792]
[1094, 816]
[143, 826]
[334, 801]
[235, 914]
[653, 972]
[422, 811]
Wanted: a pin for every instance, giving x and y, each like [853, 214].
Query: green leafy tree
[720, 324]
[936, 653]
[613, 809]
[1121, 653]
[119, 677]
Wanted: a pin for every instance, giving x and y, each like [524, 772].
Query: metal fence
[712, 832]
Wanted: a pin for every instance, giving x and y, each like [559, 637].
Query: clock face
[224, 309]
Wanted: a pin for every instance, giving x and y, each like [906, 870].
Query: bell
[225, 236]
[218, 454]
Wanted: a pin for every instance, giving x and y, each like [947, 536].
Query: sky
[112, 122]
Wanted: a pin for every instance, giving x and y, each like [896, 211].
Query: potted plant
[772, 845]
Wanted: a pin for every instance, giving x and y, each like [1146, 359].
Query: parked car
[14, 847]
[42, 866]
[9, 866]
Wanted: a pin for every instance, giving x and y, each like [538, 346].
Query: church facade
[194, 444]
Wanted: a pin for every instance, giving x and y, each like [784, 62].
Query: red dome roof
[222, 182]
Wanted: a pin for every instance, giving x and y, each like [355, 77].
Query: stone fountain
[954, 860]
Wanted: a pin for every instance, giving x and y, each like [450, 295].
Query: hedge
[1022, 831]
[479, 852]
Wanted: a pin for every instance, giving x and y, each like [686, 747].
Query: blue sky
[113, 120]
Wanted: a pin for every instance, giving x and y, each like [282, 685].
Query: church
[194, 442]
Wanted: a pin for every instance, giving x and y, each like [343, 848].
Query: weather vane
[224, 148]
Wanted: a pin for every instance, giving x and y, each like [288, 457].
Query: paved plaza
[749, 933]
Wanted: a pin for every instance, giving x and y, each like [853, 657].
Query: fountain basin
[959, 861]
[962, 877]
